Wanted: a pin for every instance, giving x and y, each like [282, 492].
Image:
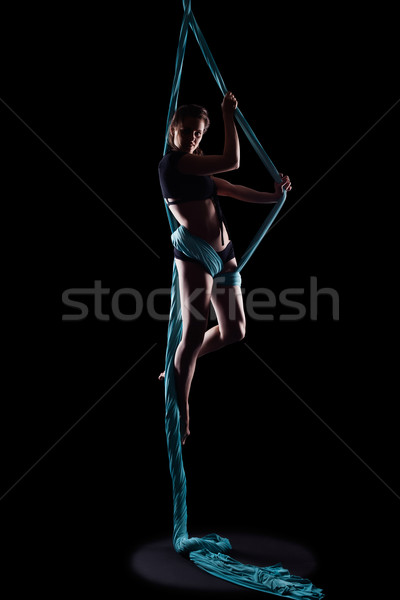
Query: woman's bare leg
[195, 287]
[228, 306]
[229, 309]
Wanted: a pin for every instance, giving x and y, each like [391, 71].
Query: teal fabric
[197, 248]
[200, 250]
[209, 552]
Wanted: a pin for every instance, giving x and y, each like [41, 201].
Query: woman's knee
[235, 332]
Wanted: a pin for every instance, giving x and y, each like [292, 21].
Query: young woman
[191, 189]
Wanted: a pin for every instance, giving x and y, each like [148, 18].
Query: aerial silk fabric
[210, 552]
[199, 250]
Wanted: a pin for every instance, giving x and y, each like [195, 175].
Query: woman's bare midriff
[200, 218]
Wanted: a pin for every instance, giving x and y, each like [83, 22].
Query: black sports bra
[186, 188]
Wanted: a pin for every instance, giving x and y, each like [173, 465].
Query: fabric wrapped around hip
[195, 247]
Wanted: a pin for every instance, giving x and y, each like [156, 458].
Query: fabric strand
[209, 552]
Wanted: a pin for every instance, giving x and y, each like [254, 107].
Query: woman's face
[188, 134]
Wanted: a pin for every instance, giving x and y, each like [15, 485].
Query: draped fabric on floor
[209, 552]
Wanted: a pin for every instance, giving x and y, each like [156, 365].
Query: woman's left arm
[245, 194]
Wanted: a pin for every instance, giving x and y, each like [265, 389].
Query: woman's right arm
[193, 164]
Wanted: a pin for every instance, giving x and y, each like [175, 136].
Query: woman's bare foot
[161, 376]
[185, 432]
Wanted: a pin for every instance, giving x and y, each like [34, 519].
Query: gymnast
[188, 183]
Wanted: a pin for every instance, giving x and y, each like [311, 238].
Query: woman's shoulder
[171, 157]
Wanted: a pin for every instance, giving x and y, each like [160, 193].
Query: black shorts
[226, 254]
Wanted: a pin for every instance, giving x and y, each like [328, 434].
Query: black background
[94, 85]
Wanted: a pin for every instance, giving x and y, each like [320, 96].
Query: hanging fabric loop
[209, 552]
